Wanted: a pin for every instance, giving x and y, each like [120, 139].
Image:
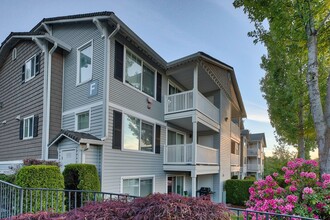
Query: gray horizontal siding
[20, 99]
[93, 156]
[95, 123]
[117, 164]
[128, 97]
[76, 35]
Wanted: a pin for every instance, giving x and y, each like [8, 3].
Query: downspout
[50, 53]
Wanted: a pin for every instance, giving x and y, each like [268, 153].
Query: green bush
[41, 176]
[81, 177]
[235, 177]
[252, 177]
[281, 182]
[8, 178]
[237, 191]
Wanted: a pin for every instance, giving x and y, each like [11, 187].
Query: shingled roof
[74, 136]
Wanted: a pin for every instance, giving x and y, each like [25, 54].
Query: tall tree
[306, 24]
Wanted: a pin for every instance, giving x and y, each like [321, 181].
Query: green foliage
[41, 176]
[237, 191]
[8, 178]
[235, 177]
[281, 156]
[252, 177]
[81, 177]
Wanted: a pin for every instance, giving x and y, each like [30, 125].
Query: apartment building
[148, 125]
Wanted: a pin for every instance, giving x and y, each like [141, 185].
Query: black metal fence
[15, 200]
[245, 214]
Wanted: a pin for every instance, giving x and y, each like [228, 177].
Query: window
[14, 54]
[28, 127]
[172, 89]
[139, 75]
[138, 134]
[140, 186]
[175, 184]
[30, 68]
[234, 147]
[85, 57]
[82, 121]
[174, 138]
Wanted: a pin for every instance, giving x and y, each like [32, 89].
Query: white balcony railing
[254, 167]
[184, 101]
[184, 154]
[253, 152]
[235, 131]
[234, 160]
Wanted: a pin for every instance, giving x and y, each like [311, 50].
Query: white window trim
[25, 79]
[170, 82]
[137, 177]
[123, 134]
[174, 175]
[89, 118]
[85, 45]
[24, 119]
[176, 131]
[142, 63]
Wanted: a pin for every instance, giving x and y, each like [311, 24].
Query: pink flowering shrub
[305, 194]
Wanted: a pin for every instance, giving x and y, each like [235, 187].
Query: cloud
[257, 112]
[259, 117]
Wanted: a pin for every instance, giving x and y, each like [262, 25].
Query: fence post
[21, 200]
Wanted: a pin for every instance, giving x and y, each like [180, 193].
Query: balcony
[184, 155]
[234, 160]
[184, 101]
[235, 132]
[253, 168]
[253, 152]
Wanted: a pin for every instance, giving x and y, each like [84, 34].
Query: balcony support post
[195, 89]
[193, 184]
[194, 140]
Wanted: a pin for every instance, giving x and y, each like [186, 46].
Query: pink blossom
[312, 175]
[269, 179]
[293, 188]
[326, 176]
[275, 174]
[292, 198]
[308, 190]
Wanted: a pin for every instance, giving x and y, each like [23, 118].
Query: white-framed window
[175, 137]
[138, 134]
[173, 88]
[28, 126]
[138, 186]
[83, 121]
[175, 184]
[85, 63]
[30, 68]
[14, 54]
[139, 74]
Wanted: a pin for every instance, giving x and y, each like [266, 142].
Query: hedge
[237, 191]
[8, 178]
[41, 176]
[81, 177]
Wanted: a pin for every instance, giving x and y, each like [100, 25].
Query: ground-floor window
[138, 186]
[175, 184]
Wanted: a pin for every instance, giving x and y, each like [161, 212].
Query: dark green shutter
[21, 129]
[117, 128]
[119, 61]
[159, 87]
[157, 149]
[35, 125]
[23, 73]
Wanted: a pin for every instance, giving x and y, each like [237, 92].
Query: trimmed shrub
[41, 176]
[237, 191]
[156, 206]
[7, 178]
[235, 177]
[80, 177]
[29, 162]
[252, 177]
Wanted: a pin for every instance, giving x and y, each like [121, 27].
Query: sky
[174, 29]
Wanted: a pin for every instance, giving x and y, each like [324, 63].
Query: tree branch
[323, 22]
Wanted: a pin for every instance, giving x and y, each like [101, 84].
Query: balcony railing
[184, 154]
[253, 152]
[184, 101]
[253, 167]
[234, 159]
[235, 131]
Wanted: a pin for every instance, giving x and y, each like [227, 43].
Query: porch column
[195, 89]
[193, 184]
[194, 140]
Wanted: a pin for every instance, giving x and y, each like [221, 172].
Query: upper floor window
[138, 134]
[31, 68]
[173, 89]
[83, 121]
[28, 127]
[85, 60]
[14, 54]
[139, 75]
